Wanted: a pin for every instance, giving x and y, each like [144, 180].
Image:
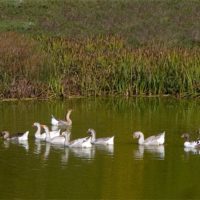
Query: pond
[36, 169]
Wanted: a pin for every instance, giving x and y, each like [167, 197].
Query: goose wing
[103, 139]
[15, 136]
[75, 143]
[154, 138]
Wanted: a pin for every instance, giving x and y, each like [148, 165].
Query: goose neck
[187, 139]
[67, 117]
[47, 134]
[93, 134]
[6, 135]
[66, 139]
[141, 139]
[38, 132]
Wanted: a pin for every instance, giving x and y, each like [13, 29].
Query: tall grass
[123, 47]
[48, 67]
[43, 66]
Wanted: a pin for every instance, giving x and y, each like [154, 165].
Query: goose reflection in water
[38, 145]
[47, 150]
[48, 147]
[106, 148]
[51, 147]
[85, 153]
[65, 157]
[6, 144]
[158, 152]
[23, 143]
[192, 150]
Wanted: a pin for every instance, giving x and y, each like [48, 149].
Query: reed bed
[47, 67]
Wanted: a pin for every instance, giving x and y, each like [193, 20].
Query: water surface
[125, 170]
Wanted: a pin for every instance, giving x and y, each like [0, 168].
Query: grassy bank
[57, 48]
[44, 67]
[139, 22]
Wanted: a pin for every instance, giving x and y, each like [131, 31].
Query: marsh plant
[45, 67]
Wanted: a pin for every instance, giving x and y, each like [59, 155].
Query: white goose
[188, 143]
[77, 142]
[57, 121]
[56, 140]
[38, 134]
[152, 140]
[101, 141]
[18, 136]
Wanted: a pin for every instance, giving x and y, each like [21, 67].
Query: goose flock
[56, 137]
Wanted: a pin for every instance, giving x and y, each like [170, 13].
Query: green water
[34, 169]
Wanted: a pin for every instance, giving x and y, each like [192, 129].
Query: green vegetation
[57, 48]
[140, 22]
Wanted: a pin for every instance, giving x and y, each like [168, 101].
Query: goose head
[45, 128]
[137, 134]
[91, 132]
[69, 110]
[36, 124]
[5, 134]
[186, 136]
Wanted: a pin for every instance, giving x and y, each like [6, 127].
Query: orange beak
[42, 125]
[182, 135]
[133, 137]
